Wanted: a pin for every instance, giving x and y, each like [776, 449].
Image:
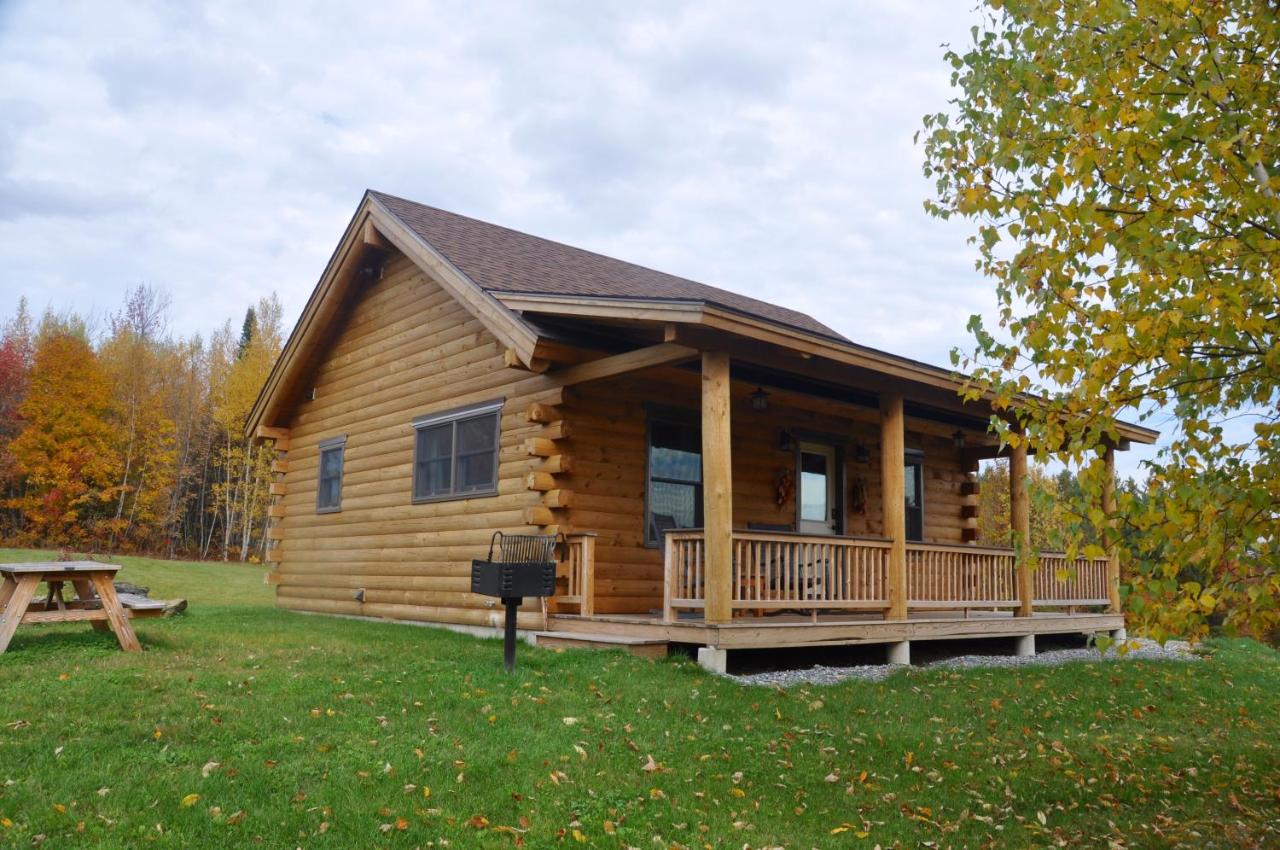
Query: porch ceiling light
[958, 439]
[759, 399]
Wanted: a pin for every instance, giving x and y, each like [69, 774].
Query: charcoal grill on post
[525, 566]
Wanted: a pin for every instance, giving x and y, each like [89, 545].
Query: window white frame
[453, 418]
[330, 446]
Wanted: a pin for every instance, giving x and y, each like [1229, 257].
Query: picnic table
[96, 600]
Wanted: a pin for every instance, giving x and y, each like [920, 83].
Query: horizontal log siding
[406, 348]
[608, 421]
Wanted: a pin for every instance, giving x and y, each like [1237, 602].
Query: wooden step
[643, 647]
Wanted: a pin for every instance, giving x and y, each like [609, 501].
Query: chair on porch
[815, 572]
[660, 524]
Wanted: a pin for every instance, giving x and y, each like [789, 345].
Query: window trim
[680, 418]
[331, 444]
[452, 417]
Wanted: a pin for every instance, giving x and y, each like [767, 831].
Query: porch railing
[780, 570]
[788, 571]
[940, 575]
[1060, 582]
[575, 575]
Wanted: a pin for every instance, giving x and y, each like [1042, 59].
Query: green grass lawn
[246, 726]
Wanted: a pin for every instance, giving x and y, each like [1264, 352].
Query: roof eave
[717, 316]
[501, 321]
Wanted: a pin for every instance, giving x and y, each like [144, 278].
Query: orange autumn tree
[66, 450]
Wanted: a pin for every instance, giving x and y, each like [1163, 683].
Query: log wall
[407, 348]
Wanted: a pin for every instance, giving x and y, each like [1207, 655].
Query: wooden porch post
[1113, 555]
[1020, 526]
[717, 487]
[894, 502]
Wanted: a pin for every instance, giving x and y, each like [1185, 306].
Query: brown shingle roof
[499, 259]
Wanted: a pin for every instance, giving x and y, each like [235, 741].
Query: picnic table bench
[96, 600]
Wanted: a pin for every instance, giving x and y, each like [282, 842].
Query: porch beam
[662, 354]
[1020, 526]
[1109, 509]
[894, 502]
[717, 487]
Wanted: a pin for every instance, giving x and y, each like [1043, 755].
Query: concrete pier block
[715, 660]
[900, 652]
[1026, 645]
[1120, 635]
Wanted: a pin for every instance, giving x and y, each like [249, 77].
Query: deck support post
[900, 652]
[1020, 526]
[713, 660]
[1026, 646]
[893, 503]
[717, 487]
[1109, 509]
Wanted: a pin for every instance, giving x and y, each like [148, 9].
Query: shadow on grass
[38, 643]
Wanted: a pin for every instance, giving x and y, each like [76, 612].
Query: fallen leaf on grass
[190, 800]
[209, 767]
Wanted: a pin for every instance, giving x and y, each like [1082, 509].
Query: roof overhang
[687, 312]
[376, 229]
[373, 229]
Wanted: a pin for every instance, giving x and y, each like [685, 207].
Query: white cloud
[218, 150]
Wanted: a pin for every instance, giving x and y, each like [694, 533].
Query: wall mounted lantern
[759, 399]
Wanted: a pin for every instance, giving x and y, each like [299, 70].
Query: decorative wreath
[858, 495]
[785, 487]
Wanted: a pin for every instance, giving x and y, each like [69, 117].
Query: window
[455, 453]
[820, 473]
[329, 480]
[913, 481]
[675, 478]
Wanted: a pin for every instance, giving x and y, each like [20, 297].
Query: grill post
[509, 634]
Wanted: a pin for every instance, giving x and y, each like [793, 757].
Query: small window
[913, 481]
[675, 478]
[329, 481]
[455, 453]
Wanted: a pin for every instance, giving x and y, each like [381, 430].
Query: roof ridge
[587, 251]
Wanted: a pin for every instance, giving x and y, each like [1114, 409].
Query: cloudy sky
[217, 150]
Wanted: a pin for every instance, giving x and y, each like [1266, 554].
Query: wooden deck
[797, 590]
[792, 630]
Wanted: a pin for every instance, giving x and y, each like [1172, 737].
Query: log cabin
[726, 473]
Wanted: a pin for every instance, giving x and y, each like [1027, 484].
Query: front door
[818, 482]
